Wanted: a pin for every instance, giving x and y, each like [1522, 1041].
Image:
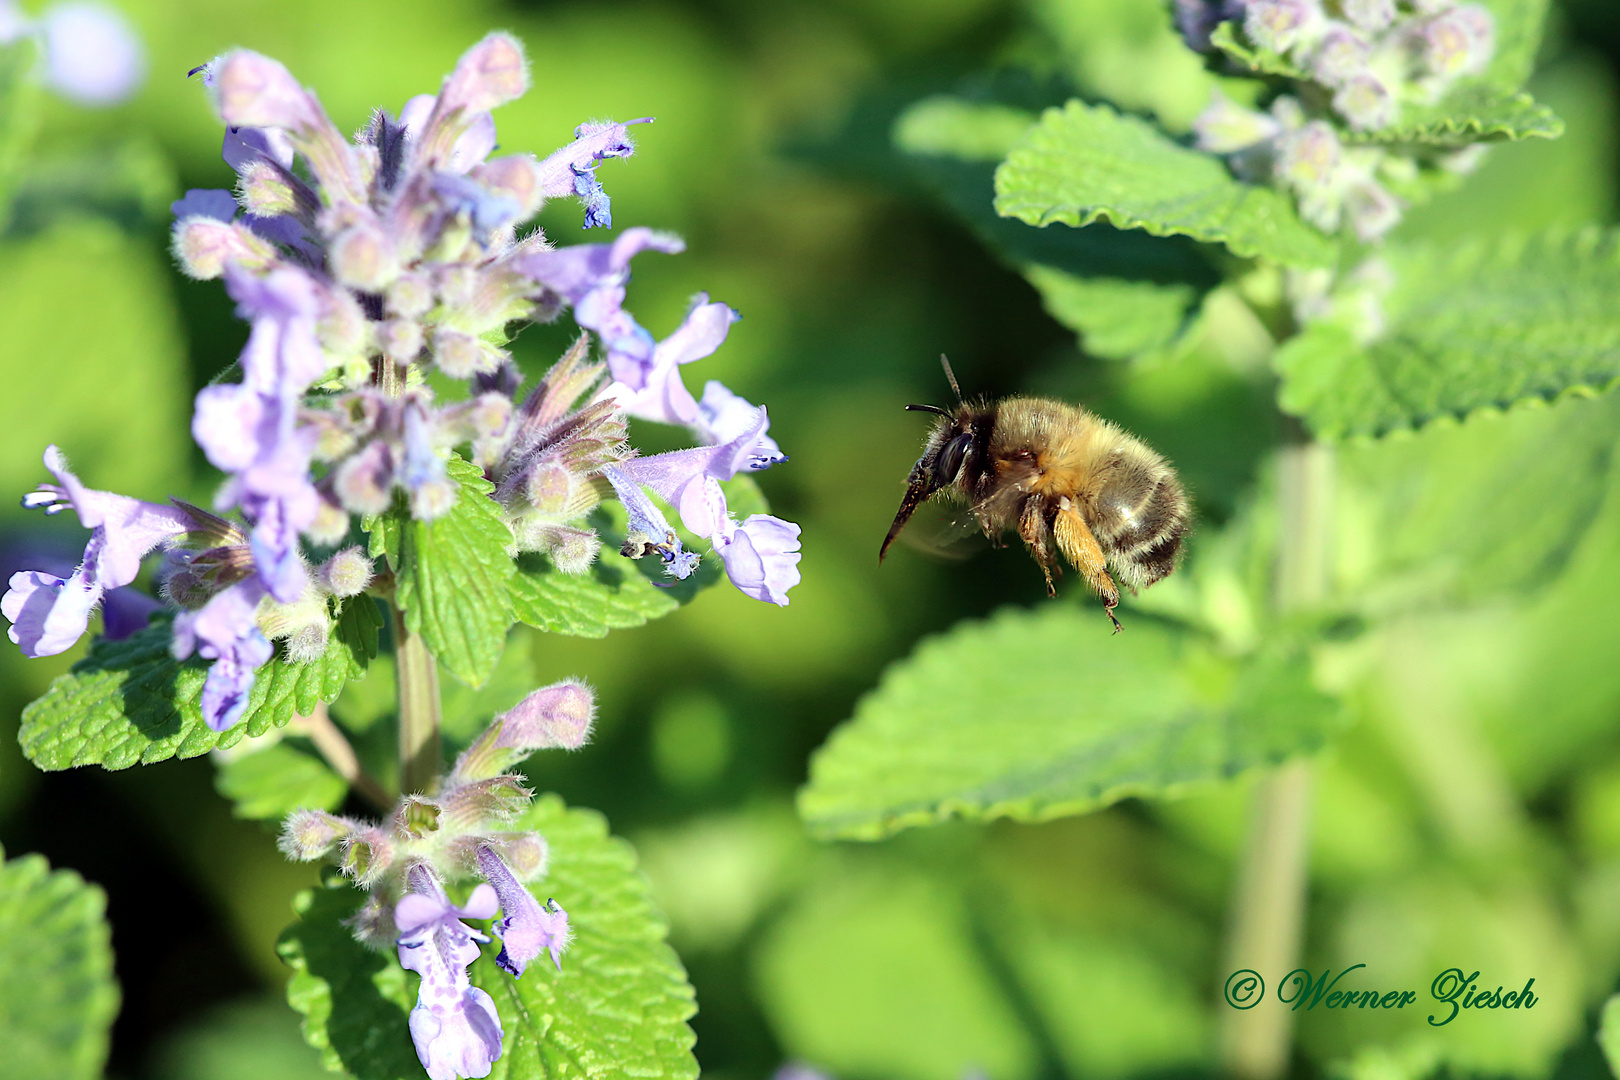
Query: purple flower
[762, 557]
[250, 428]
[92, 54]
[526, 928]
[454, 1025]
[572, 170]
[649, 386]
[48, 614]
[723, 416]
[649, 531]
[226, 631]
[471, 146]
[215, 203]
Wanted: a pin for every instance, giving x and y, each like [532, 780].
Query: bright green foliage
[19, 112]
[354, 1000]
[131, 702]
[1227, 39]
[619, 1005]
[1467, 115]
[1468, 327]
[1609, 1033]
[1085, 163]
[56, 968]
[612, 595]
[1036, 715]
[1117, 317]
[268, 784]
[453, 577]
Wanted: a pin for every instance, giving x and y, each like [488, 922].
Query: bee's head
[940, 466]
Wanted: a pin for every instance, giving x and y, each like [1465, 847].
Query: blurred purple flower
[48, 614]
[92, 54]
[215, 203]
[225, 630]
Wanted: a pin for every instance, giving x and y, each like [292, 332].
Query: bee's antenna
[950, 377]
[927, 408]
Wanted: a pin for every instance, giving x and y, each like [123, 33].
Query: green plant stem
[335, 748]
[420, 755]
[1268, 906]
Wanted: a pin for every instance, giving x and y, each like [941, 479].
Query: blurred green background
[1471, 817]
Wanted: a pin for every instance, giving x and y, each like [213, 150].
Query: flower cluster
[461, 832]
[1359, 64]
[360, 265]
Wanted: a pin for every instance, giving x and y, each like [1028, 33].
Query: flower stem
[1268, 905]
[420, 755]
[320, 730]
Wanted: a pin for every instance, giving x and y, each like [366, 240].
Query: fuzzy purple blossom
[49, 614]
[454, 1024]
[226, 631]
[527, 928]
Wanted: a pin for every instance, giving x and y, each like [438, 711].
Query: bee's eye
[949, 462]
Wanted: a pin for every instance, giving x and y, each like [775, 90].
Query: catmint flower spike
[454, 1024]
[559, 716]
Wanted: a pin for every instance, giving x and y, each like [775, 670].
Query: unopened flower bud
[308, 835]
[1458, 42]
[342, 327]
[373, 924]
[1342, 55]
[1226, 127]
[347, 573]
[401, 340]
[514, 177]
[526, 853]
[1369, 14]
[360, 257]
[1308, 157]
[433, 498]
[203, 245]
[308, 642]
[484, 802]
[550, 487]
[559, 715]
[1371, 211]
[330, 526]
[1365, 102]
[410, 296]
[461, 356]
[367, 855]
[416, 817]
[572, 551]
[490, 73]
[364, 484]
[266, 190]
[255, 91]
[1278, 24]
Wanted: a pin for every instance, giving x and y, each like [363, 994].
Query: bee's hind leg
[1074, 539]
[1036, 532]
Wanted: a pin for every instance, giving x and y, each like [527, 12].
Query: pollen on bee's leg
[1080, 547]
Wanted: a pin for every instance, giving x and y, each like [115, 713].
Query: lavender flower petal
[48, 614]
[762, 558]
[92, 53]
[526, 928]
[215, 203]
[724, 416]
[454, 1025]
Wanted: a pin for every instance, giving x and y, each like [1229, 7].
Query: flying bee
[1069, 482]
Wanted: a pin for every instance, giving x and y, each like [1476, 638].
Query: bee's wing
[944, 531]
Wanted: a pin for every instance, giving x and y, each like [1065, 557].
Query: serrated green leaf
[1469, 114]
[386, 532]
[1036, 715]
[618, 1007]
[1608, 1036]
[130, 702]
[454, 576]
[1468, 327]
[56, 968]
[1085, 163]
[269, 784]
[354, 1000]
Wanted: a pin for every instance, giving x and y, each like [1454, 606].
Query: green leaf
[618, 1007]
[56, 967]
[1116, 319]
[1085, 163]
[620, 1004]
[946, 126]
[1034, 715]
[130, 702]
[1464, 327]
[1608, 1036]
[454, 575]
[354, 1000]
[386, 532]
[269, 784]
[1469, 114]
